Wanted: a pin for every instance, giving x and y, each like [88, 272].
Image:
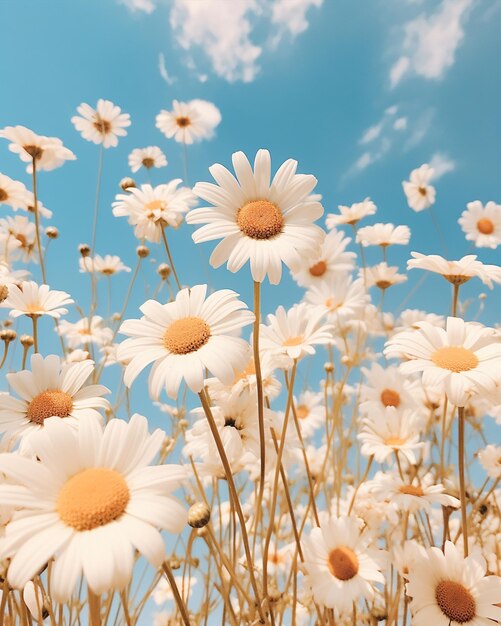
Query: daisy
[17, 238]
[482, 225]
[463, 359]
[383, 235]
[51, 388]
[340, 297]
[29, 205]
[107, 265]
[80, 333]
[34, 301]
[351, 214]
[386, 432]
[310, 411]
[148, 157]
[102, 125]
[293, 333]
[329, 259]
[151, 209]
[411, 497]
[387, 386]
[456, 272]
[382, 276]
[340, 564]
[189, 122]
[490, 459]
[48, 153]
[265, 222]
[420, 195]
[10, 277]
[184, 337]
[410, 318]
[88, 502]
[449, 590]
[12, 192]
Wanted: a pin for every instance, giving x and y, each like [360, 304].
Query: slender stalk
[34, 319]
[462, 489]
[171, 262]
[175, 592]
[96, 203]
[455, 300]
[37, 221]
[185, 164]
[94, 608]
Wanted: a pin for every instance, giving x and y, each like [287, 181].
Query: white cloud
[419, 129]
[162, 68]
[442, 164]
[147, 6]
[400, 123]
[430, 42]
[371, 133]
[291, 14]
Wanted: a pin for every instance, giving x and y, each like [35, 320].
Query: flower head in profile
[151, 209]
[350, 214]
[148, 157]
[89, 501]
[82, 333]
[464, 359]
[17, 238]
[102, 125]
[51, 388]
[36, 300]
[383, 235]
[189, 122]
[341, 298]
[12, 192]
[420, 194]
[260, 220]
[456, 272]
[184, 338]
[382, 276]
[482, 224]
[106, 265]
[48, 153]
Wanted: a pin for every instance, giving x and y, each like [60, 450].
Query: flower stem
[175, 592]
[462, 490]
[37, 220]
[171, 262]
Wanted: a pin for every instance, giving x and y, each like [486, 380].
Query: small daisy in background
[83, 333]
[102, 125]
[106, 265]
[382, 276]
[36, 300]
[341, 298]
[420, 194]
[47, 153]
[456, 272]
[350, 215]
[310, 411]
[189, 122]
[383, 235]
[482, 224]
[490, 459]
[148, 157]
[12, 192]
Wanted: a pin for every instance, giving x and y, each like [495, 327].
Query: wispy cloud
[431, 41]
[147, 6]
[162, 68]
[442, 164]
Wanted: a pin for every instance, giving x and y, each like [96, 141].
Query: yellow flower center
[92, 498]
[186, 335]
[183, 121]
[394, 441]
[50, 403]
[302, 411]
[3, 195]
[455, 601]
[102, 126]
[455, 359]
[422, 191]
[154, 205]
[260, 219]
[485, 226]
[331, 304]
[318, 269]
[390, 397]
[383, 284]
[148, 162]
[411, 490]
[342, 563]
[293, 341]
[456, 279]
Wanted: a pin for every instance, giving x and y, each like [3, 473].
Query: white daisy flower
[482, 225]
[88, 502]
[51, 388]
[189, 122]
[420, 194]
[341, 566]
[383, 235]
[456, 272]
[10, 277]
[310, 411]
[34, 300]
[106, 265]
[490, 459]
[341, 298]
[265, 222]
[295, 332]
[410, 318]
[329, 259]
[102, 125]
[48, 152]
[463, 359]
[350, 214]
[184, 337]
[18, 239]
[387, 386]
[386, 432]
[81, 334]
[148, 157]
[12, 192]
[151, 209]
[449, 590]
[382, 276]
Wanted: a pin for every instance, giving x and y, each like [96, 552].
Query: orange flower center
[455, 359]
[183, 121]
[3, 195]
[383, 284]
[50, 403]
[154, 205]
[186, 335]
[92, 498]
[389, 397]
[318, 269]
[35, 152]
[455, 601]
[260, 219]
[294, 341]
[394, 441]
[342, 563]
[485, 226]
[148, 162]
[411, 490]
[422, 191]
[302, 411]
[102, 126]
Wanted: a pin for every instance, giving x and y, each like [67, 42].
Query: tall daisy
[456, 272]
[36, 300]
[482, 224]
[89, 501]
[260, 220]
[185, 337]
[420, 194]
[102, 125]
[48, 153]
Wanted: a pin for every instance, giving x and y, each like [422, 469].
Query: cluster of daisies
[278, 491]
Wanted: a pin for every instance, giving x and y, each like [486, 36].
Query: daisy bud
[142, 252]
[198, 515]
[164, 271]
[127, 182]
[202, 532]
[7, 323]
[84, 249]
[175, 563]
[26, 341]
[482, 296]
[183, 423]
[116, 317]
[4, 292]
[329, 367]
[8, 335]
[52, 232]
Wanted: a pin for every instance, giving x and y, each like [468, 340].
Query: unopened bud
[4, 292]
[329, 366]
[26, 341]
[142, 252]
[164, 271]
[175, 563]
[84, 249]
[198, 515]
[52, 232]
[127, 183]
[8, 335]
